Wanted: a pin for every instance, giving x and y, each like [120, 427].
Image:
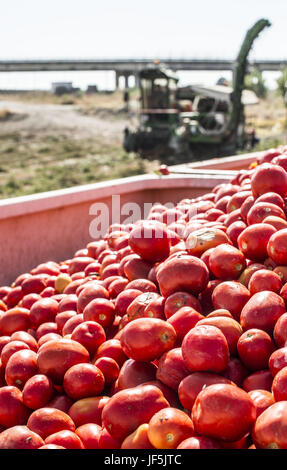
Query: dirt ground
[49, 142]
[48, 145]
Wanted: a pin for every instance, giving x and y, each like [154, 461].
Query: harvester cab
[158, 113]
[192, 123]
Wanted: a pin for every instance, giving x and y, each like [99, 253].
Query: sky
[133, 28]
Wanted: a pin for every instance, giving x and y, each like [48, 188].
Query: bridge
[131, 67]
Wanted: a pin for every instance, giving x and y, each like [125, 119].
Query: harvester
[191, 123]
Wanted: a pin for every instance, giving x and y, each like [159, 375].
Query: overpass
[128, 67]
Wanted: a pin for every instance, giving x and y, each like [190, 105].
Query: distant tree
[254, 81]
[282, 85]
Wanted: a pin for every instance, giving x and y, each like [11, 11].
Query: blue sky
[133, 28]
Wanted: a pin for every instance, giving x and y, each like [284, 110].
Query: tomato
[278, 360]
[12, 409]
[269, 178]
[254, 239]
[10, 348]
[56, 357]
[205, 348]
[245, 276]
[134, 373]
[264, 280]
[72, 323]
[270, 429]
[178, 300]
[199, 442]
[218, 407]
[136, 268]
[101, 311]
[89, 435]
[260, 210]
[229, 327]
[15, 319]
[144, 285]
[128, 409]
[182, 273]
[138, 306]
[202, 240]
[192, 385]
[171, 368]
[34, 284]
[68, 303]
[231, 295]
[235, 371]
[155, 309]
[168, 427]
[255, 348]
[150, 241]
[42, 311]
[259, 380]
[112, 348]
[124, 299]
[89, 293]
[109, 368]
[89, 334]
[46, 328]
[66, 439]
[20, 367]
[47, 421]
[62, 318]
[234, 262]
[146, 339]
[83, 380]
[262, 400]
[276, 247]
[138, 439]
[234, 230]
[262, 311]
[184, 320]
[20, 437]
[88, 410]
[60, 402]
[38, 391]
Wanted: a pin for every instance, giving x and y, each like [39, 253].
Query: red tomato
[20, 367]
[192, 385]
[20, 437]
[203, 239]
[260, 380]
[42, 311]
[234, 262]
[184, 320]
[88, 410]
[128, 409]
[66, 439]
[218, 407]
[101, 311]
[168, 427]
[264, 280]
[89, 334]
[276, 247]
[146, 339]
[47, 421]
[12, 409]
[112, 348]
[182, 273]
[150, 240]
[89, 435]
[231, 295]
[199, 442]
[279, 385]
[56, 357]
[138, 439]
[178, 300]
[269, 178]
[278, 360]
[262, 400]
[229, 327]
[260, 210]
[262, 311]
[38, 391]
[255, 348]
[270, 429]
[235, 371]
[254, 239]
[134, 373]
[171, 368]
[205, 348]
[83, 380]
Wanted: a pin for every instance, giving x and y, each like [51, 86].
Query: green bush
[255, 82]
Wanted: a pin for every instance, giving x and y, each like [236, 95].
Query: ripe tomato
[270, 429]
[234, 262]
[218, 407]
[231, 295]
[255, 348]
[168, 427]
[205, 348]
[254, 239]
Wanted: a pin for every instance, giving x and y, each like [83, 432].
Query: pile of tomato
[169, 333]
